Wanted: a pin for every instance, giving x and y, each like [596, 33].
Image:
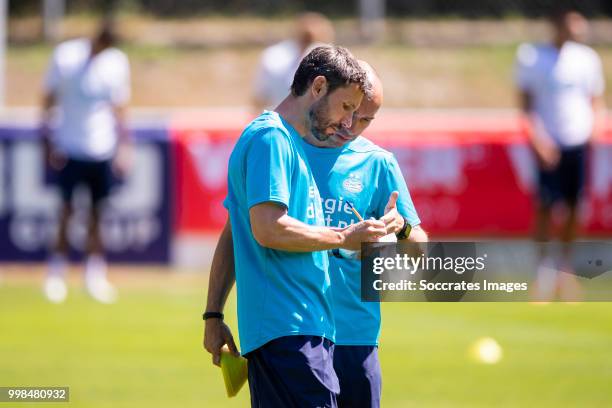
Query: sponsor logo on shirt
[314, 209]
[353, 184]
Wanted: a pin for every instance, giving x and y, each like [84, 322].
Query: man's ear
[319, 87]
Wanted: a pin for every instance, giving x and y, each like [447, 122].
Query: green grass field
[146, 351]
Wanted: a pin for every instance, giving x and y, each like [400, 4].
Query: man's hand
[546, 151]
[54, 159]
[123, 160]
[548, 154]
[216, 335]
[364, 231]
[394, 222]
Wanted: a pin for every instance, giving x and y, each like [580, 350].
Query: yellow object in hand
[234, 371]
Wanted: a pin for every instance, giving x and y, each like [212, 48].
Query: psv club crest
[353, 184]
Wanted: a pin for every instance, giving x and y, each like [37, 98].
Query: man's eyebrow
[351, 105]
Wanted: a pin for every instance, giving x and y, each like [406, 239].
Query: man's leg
[293, 371]
[573, 170]
[542, 226]
[359, 375]
[96, 280]
[62, 246]
[548, 193]
[569, 287]
[94, 241]
[55, 285]
[55, 288]
[569, 231]
[573, 176]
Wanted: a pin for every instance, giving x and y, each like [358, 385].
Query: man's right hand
[548, 155]
[216, 335]
[364, 231]
[54, 158]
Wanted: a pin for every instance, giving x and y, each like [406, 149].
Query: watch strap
[212, 315]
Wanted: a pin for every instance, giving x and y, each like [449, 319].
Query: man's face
[574, 26]
[334, 112]
[362, 118]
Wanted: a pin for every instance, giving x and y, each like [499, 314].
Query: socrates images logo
[353, 184]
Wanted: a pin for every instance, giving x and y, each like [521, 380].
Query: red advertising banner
[469, 173]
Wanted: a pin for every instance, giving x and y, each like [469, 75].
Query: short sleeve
[52, 75]
[392, 179]
[121, 91]
[269, 165]
[526, 56]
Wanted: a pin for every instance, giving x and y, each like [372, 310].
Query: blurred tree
[35, 7]
[337, 8]
[492, 8]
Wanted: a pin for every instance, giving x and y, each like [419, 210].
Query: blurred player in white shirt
[561, 88]
[279, 62]
[88, 80]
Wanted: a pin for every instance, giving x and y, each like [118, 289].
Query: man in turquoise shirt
[352, 169]
[279, 236]
[348, 166]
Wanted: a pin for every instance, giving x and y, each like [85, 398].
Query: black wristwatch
[405, 231]
[212, 315]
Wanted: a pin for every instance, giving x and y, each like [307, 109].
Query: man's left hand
[393, 220]
[123, 160]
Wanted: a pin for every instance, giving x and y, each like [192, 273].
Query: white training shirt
[562, 84]
[86, 91]
[276, 70]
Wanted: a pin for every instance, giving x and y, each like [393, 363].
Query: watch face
[408, 229]
[405, 232]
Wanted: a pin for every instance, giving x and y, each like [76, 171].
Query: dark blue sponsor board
[136, 223]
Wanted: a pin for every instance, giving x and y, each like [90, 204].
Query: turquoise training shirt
[279, 293]
[365, 175]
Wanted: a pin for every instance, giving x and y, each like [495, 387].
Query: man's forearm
[531, 124]
[222, 275]
[273, 228]
[527, 121]
[46, 112]
[418, 234]
[120, 113]
[295, 236]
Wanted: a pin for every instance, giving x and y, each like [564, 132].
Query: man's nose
[347, 121]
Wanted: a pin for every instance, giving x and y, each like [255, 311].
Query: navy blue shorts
[96, 176]
[293, 371]
[358, 371]
[566, 182]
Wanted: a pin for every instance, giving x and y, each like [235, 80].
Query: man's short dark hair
[561, 8]
[333, 62]
[107, 33]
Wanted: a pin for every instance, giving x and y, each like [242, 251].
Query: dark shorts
[358, 371]
[96, 176]
[293, 371]
[566, 182]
